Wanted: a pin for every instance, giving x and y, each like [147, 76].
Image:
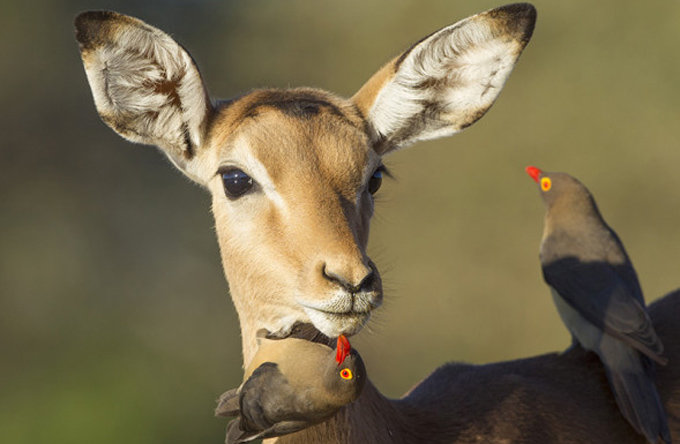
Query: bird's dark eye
[236, 183]
[375, 181]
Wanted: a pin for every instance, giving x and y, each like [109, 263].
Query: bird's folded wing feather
[266, 398]
[237, 436]
[598, 293]
[264, 405]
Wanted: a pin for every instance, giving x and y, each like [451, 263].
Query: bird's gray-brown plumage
[290, 385]
[598, 296]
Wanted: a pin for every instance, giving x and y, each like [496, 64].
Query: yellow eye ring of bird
[546, 183]
[346, 373]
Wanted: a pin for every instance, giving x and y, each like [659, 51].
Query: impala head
[292, 173]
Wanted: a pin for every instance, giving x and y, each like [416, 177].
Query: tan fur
[365, 97]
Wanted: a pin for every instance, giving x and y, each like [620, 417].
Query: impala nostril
[363, 283]
[367, 281]
[334, 277]
[328, 276]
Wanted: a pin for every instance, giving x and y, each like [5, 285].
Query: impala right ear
[448, 80]
[145, 86]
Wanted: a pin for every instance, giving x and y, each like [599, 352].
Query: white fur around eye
[242, 156]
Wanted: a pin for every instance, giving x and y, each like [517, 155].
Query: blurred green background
[115, 320]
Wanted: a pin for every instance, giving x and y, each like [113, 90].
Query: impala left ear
[448, 80]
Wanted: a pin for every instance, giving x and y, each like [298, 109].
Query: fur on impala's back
[293, 235]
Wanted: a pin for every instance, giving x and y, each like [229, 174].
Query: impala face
[293, 172]
[298, 224]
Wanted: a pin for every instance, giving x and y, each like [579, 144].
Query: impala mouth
[334, 324]
[341, 313]
[322, 322]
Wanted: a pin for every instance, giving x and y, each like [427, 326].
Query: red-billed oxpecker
[290, 385]
[599, 299]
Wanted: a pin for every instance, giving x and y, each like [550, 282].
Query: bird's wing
[595, 290]
[266, 399]
[237, 436]
[228, 403]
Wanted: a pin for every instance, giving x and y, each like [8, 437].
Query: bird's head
[346, 374]
[561, 189]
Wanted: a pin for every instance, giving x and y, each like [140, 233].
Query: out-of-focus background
[115, 319]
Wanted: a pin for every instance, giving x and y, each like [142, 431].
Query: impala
[292, 174]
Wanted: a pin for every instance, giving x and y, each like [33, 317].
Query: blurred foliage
[115, 322]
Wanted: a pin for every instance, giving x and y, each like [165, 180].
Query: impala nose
[353, 279]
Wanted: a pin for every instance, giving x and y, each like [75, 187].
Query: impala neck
[371, 418]
[248, 342]
[251, 318]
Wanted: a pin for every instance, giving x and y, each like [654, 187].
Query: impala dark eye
[236, 183]
[375, 181]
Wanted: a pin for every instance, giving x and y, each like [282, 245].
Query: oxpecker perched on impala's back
[599, 299]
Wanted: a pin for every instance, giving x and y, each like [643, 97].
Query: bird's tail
[639, 401]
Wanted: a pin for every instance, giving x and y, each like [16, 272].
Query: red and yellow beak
[533, 172]
[343, 349]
